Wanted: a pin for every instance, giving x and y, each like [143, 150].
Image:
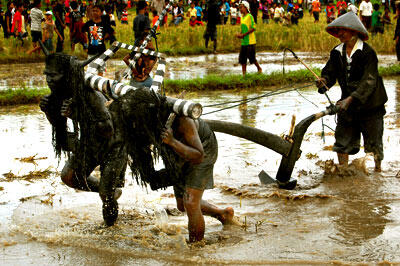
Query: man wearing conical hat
[354, 64]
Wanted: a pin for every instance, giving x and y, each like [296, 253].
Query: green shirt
[375, 19]
[247, 23]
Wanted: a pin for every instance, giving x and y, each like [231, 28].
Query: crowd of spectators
[22, 16]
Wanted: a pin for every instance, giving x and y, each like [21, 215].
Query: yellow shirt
[247, 23]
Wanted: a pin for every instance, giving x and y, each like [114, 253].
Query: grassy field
[212, 82]
[185, 40]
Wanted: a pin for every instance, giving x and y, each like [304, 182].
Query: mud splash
[340, 216]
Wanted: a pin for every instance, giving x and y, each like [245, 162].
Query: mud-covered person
[141, 22]
[354, 64]
[195, 143]
[97, 32]
[188, 149]
[99, 143]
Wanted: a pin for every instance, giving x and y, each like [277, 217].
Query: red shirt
[154, 21]
[17, 19]
[330, 11]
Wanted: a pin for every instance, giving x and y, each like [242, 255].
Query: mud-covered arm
[368, 82]
[190, 148]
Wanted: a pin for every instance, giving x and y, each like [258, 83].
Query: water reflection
[248, 112]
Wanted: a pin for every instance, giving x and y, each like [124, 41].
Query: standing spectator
[155, 19]
[279, 12]
[97, 31]
[178, 13]
[59, 13]
[48, 32]
[352, 8]
[234, 13]
[397, 33]
[265, 12]
[82, 8]
[316, 9]
[366, 13]
[227, 11]
[2, 20]
[376, 21]
[141, 21]
[254, 6]
[248, 43]
[341, 7]
[199, 10]
[221, 13]
[212, 21]
[124, 16]
[192, 12]
[386, 17]
[89, 10]
[17, 27]
[330, 12]
[294, 18]
[36, 23]
[76, 34]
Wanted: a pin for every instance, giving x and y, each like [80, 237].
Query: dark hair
[141, 5]
[143, 114]
[99, 7]
[36, 3]
[73, 5]
[376, 6]
[155, 13]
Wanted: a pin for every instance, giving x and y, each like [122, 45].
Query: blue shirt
[199, 10]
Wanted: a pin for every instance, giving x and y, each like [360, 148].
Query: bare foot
[260, 71]
[228, 218]
[378, 169]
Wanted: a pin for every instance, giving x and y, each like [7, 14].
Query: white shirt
[279, 12]
[352, 8]
[233, 12]
[366, 8]
[36, 19]
[358, 46]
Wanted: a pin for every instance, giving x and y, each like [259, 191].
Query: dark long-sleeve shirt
[359, 78]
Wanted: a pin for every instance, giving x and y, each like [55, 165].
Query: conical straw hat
[348, 21]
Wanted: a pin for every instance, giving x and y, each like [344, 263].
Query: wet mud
[336, 215]
[186, 67]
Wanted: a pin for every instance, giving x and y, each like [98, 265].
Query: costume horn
[45, 51]
[88, 61]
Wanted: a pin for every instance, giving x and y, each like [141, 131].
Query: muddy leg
[111, 169]
[196, 225]
[378, 163]
[343, 158]
[195, 208]
[75, 179]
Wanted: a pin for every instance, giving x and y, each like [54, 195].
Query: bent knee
[67, 177]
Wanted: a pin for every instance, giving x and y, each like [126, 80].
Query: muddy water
[346, 217]
[186, 67]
